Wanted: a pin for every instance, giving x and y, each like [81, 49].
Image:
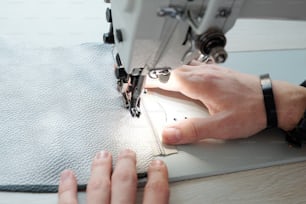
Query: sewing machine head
[151, 37]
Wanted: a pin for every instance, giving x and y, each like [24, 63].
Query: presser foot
[131, 90]
[135, 112]
[132, 105]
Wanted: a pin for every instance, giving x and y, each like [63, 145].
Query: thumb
[219, 126]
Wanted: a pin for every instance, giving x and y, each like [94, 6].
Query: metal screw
[224, 12]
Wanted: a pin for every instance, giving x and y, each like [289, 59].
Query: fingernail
[125, 152]
[102, 155]
[156, 163]
[65, 175]
[171, 135]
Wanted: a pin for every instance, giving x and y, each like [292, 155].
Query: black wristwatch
[297, 136]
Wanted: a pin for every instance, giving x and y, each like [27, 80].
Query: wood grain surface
[278, 184]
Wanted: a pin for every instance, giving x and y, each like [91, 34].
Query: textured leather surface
[58, 108]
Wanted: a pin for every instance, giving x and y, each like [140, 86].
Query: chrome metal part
[174, 12]
[162, 74]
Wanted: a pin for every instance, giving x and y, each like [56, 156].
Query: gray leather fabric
[58, 107]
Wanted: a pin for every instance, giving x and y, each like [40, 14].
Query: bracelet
[297, 136]
[266, 86]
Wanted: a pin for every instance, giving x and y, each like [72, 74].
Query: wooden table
[277, 184]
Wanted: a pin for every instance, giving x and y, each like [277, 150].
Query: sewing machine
[152, 37]
[275, 184]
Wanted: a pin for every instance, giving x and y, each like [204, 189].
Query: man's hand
[234, 101]
[105, 187]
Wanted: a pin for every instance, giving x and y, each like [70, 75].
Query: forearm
[290, 101]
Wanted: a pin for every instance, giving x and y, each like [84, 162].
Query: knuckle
[68, 201]
[194, 131]
[64, 190]
[125, 177]
[183, 68]
[157, 168]
[100, 184]
[96, 164]
[127, 154]
[157, 187]
[100, 163]
[214, 67]
[209, 77]
[65, 197]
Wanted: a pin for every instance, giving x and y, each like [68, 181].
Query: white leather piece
[58, 108]
[164, 108]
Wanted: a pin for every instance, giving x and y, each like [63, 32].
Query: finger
[191, 81]
[124, 179]
[220, 126]
[195, 63]
[67, 191]
[99, 185]
[157, 187]
[179, 76]
[170, 85]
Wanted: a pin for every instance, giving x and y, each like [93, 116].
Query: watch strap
[297, 136]
[266, 86]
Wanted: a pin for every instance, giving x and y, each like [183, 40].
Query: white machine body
[151, 37]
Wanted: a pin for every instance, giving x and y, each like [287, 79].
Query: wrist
[290, 102]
